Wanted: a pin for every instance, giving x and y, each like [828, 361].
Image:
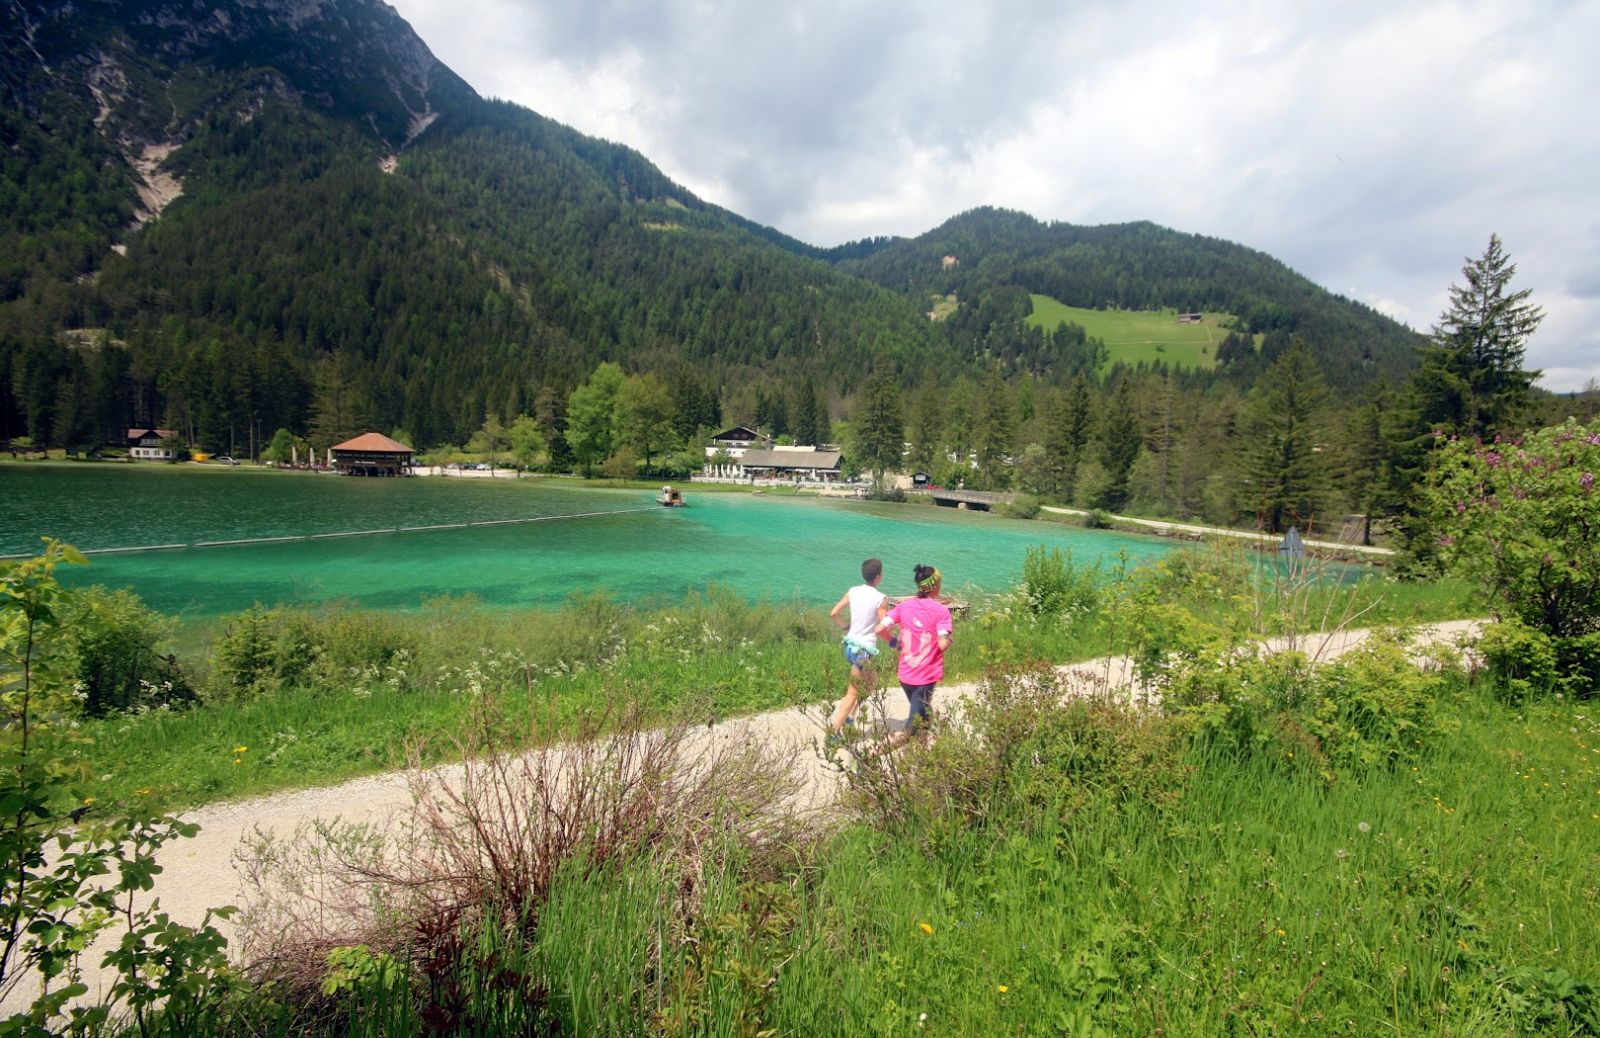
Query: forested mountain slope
[1140, 266]
[232, 218]
[347, 202]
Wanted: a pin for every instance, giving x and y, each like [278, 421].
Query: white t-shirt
[864, 602]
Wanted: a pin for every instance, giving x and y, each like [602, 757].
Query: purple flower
[1446, 541]
[1492, 459]
[1586, 481]
[1593, 441]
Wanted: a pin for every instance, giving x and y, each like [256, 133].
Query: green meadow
[1133, 336]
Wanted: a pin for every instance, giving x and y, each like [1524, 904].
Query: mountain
[246, 197]
[237, 216]
[1141, 266]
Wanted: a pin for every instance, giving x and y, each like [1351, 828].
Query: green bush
[1519, 660]
[1024, 753]
[262, 650]
[1523, 521]
[70, 868]
[118, 664]
[1578, 661]
[1097, 519]
[1024, 507]
[344, 651]
[1375, 706]
[244, 659]
[1052, 585]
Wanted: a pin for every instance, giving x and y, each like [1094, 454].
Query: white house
[152, 444]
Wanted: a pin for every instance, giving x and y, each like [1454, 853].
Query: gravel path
[199, 873]
[1266, 540]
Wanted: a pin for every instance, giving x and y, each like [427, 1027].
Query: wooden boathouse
[371, 454]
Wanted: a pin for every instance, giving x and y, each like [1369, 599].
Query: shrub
[1024, 749]
[1523, 521]
[1052, 585]
[71, 870]
[1374, 705]
[1520, 660]
[244, 659]
[1097, 519]
[117, 660]
[1024, 507]
[1523, 661]
[485, 843]
[343, 651]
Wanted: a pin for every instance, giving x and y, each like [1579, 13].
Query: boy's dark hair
[921, 575]
[871, 570]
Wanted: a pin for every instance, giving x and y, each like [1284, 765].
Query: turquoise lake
[782, 548]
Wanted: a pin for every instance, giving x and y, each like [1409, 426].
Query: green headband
[931, 580]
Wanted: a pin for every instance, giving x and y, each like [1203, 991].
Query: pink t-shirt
[921, 621]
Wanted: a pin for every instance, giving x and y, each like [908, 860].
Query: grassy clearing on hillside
[1139, 335]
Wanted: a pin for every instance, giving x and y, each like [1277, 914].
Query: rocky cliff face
[150, 73]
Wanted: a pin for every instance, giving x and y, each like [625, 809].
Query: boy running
[925, 627]
[867, 606]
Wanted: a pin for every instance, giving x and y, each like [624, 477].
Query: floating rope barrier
[244, 541]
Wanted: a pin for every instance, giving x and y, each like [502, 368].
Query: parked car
[225, 460]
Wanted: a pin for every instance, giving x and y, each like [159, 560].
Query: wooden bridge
[981, 500]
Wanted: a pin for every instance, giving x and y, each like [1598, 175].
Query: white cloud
[1369, 145]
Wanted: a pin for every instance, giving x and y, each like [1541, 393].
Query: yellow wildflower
[1003, 989]
[925, 928]
[240, 749]
[88, 800]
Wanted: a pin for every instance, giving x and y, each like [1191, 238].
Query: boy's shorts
[921, 697]
[857, 656]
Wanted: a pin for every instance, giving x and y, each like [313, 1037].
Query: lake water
[779, 547]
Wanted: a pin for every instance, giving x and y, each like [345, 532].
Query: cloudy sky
[1370, 145]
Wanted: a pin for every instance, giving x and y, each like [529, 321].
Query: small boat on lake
[670, 497]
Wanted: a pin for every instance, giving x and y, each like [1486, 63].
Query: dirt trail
[1267, 540]
[199, 873]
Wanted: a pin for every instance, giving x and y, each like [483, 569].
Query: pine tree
[1283, 476]
[928, 427]
[994, 429]
[807, 415]
[336, 414]
[1120, 442]
[550, 412]
[1068, 422]
[880, 431]
[1472, 382]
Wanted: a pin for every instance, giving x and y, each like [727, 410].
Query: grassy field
[1134, 336]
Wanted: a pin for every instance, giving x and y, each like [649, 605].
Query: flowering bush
[1523, 521]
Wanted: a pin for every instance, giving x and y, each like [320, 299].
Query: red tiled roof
[372, 442]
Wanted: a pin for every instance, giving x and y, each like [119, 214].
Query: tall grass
[1451, 896]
